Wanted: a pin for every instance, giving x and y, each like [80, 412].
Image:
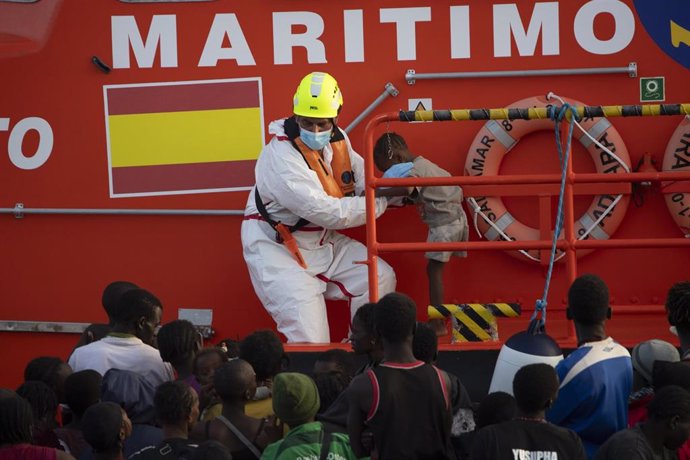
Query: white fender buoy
[520, 350]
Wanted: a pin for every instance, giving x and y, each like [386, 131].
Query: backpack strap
[243, 439]
[325, 446]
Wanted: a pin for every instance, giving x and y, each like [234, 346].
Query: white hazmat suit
[294, 296]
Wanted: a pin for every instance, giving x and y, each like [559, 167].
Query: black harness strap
[264, 214]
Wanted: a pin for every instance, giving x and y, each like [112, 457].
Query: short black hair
[388, 141]
[495, 408]
[395, 317]
[112, 294]
[209, 351]
[16, 419]
[177, 341]
[174, 402]
[678, 304]
[330, 385]
[535, 386]
[365, 315]
[341, 358]
[134, 304]
[588, 300]
[264, 351]
[42, 399]
[233, 378]
[425, 343]
[45, 369]
[83, 390]
[668, 402]
[211, 450]
[101, 427]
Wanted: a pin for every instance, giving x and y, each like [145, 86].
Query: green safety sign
[652, 89]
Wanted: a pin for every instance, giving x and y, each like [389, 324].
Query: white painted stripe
[596, 231]
[595, 131]
[499, 133]
[502, 223]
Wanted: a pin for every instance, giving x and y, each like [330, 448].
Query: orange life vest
[338, 180]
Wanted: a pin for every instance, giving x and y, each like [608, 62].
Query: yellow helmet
[317, 96]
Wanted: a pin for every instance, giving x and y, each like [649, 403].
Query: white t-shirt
[128, 353]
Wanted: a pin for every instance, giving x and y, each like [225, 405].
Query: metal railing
[570, 243]
[411, 76]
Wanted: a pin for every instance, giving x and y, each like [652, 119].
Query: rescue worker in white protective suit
[308, 181]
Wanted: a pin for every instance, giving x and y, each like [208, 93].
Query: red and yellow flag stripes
[183, 137]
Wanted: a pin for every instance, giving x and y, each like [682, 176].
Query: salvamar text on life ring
[677, 158]
[498, 137]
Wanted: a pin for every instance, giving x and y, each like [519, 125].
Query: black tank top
[410, 415]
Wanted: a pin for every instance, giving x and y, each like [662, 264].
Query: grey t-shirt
[438, 205]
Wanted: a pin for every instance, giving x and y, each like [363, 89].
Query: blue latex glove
[398, 170]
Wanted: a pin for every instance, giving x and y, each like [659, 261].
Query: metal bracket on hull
[631, 70]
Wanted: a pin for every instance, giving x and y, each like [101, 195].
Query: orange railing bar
[570, 244]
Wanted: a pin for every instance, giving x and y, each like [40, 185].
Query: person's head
[50, 370]
[211, 450]
[395, 317]
[334, 360]
[316, 104]
[588, 301]
[93, 333]
[132, 392]
[231, 347]
[363, 335]
[206, 362]
[16, 420]
[678, 308]
[671, 407]
[138, 312]
[425, 343]
[295, 398]
[105, 427]
[177, 404]
[178, 342]
[535, 387]
[43, 403]
[495, 408]
[264, 351]
[390, 149]
[83, 390]
[112, 294]
[235, 380]
[670, 373]
[645, 354]
[330, 385]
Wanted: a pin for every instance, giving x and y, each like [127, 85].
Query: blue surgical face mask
[315, 141]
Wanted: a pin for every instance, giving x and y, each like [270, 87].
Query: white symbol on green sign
[652, 89]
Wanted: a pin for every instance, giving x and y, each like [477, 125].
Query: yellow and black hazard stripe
[474, 322]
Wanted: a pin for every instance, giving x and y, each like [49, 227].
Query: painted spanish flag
[183, 137]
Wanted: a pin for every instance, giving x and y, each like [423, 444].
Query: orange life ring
[498, 137]
[677, 158]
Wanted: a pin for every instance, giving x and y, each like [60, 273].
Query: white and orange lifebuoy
[497, 138]
[677, 158]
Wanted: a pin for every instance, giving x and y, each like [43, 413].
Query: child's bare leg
[434, 271]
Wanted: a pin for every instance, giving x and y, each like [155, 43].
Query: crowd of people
[135, 389]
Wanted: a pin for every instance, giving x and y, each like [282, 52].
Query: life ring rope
[599, 137]
[597, 130]
[478, 212]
